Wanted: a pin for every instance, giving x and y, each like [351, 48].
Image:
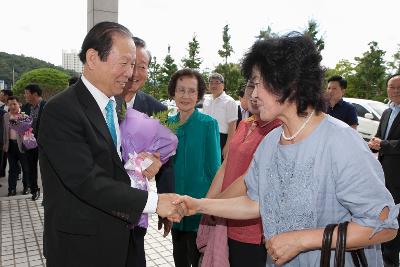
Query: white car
[369, 113]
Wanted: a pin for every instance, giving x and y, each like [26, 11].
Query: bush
[50, 80]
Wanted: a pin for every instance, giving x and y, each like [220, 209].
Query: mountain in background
[22, 64]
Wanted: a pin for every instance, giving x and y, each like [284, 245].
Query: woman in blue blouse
[197, 158]
[313, 171]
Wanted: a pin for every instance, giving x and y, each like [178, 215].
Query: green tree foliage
[394, 65]
[152, 84]
[50, 80]
[168, 68]
[312, 31]
[266, 34]
[192, 60]
[227, 49]
[346, 69]
[22, 64]
[369, 80]
[234, 80]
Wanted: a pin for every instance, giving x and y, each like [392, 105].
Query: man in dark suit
[33, 108]
[136, 99]
[243, 109]
[89, 205]
[387, 143]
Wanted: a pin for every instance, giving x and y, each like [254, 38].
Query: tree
[13, 66]
[152, 83]
[266, 34]
[312, 31]
[233, 79]
[346, 69]
[50, 80]
[370, 73]
[167, 70]
[192, 60]
[227, 49]
[394, 65]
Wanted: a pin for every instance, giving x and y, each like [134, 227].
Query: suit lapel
[385, 120]
[95, 116]
[139, 104]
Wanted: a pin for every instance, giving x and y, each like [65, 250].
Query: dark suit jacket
[88, 200]
[240, 115]
[147, 104]
[27, 109]
[389, 154]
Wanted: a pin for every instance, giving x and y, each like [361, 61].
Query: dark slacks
[391, 250]
[185, 249]
[222, 141]
[32, 157]
[136, 254]
[256, 255]
[3, 162]
[14, 156]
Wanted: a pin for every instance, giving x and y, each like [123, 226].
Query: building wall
[71, 61]
[101, 10]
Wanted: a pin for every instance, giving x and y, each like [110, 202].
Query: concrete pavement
[21, 227]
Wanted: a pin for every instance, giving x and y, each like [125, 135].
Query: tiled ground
[22, 235]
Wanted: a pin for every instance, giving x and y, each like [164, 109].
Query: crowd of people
[260, 179]
[22, 159]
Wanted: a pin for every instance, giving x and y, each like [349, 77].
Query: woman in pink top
[244, 236]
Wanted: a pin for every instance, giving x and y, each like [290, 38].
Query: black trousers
[3, 162]
[185, 249]
[136, 253]
[391, 250]
[222, 141]
[32, 157]
[14, 156]
[256, 255]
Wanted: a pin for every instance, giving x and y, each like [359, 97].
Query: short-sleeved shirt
[319, 181]
[345, 112]
[223, 108]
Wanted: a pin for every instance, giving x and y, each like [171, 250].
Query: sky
[43, 28]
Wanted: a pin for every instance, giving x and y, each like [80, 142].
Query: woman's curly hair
[290, 67]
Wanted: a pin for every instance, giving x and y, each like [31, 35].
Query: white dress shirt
[130, 103]
[223, 108]
[102, 101]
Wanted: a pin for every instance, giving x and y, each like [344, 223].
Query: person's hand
[375, 143]
[153, 169]
[167, 209]
[167, 225]
[189, 205]
[285, 246]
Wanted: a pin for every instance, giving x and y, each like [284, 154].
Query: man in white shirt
[223, 108]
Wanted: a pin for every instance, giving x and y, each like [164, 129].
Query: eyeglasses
[181, 91]
[215, 82]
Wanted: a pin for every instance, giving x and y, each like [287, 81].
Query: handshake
[174, 207]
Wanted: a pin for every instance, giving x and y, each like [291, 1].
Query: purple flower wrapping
[140, 133]
[21, 124]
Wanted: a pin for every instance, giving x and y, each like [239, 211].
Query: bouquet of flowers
[140, 133]
[22, 125]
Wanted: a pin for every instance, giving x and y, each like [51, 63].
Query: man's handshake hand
[174, 207]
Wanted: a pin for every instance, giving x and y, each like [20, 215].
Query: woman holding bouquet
[14, 126]
[197, 158]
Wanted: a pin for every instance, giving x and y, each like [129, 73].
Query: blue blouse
[329, 177]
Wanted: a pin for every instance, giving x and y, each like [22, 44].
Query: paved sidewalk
[21, 239]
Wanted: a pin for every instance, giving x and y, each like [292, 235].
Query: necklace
[290, 138]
